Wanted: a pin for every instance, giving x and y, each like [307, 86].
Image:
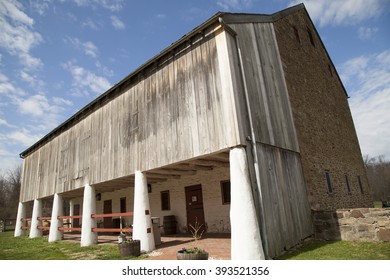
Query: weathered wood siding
[181, 108]
[264, 80]
[281, 189]
[286, 210]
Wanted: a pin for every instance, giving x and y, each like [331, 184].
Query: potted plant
[127, 246]
[130, 248]
[194, 253]
[121, 237]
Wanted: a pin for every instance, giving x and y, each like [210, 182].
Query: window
[311, 37]
[347, 182]
[297, 34]
[360, 185]
[225, 189]
[123, 204]
[328, 182]
[165, 201]
[330, 70]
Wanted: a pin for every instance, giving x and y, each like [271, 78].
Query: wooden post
[55, 234]
[37, 212]
[88, 237]
[245, 232]
[71, 211]
[142, 222]
[19, 223]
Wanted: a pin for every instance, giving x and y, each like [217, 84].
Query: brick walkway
[217, 245]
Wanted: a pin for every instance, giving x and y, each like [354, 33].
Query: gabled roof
[117, 88]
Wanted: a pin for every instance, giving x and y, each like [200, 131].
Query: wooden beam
[156, 180]
[188, 166]
[220, 157]
[210, 163]
[175, 171]
[162, 176]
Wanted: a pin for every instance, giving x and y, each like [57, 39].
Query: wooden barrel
[169, 224]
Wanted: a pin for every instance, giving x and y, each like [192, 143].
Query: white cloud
[40, 6]
[35, 105]
[32, 80]
[367, 79]
[161, 16]
[117, 23]
[85, 81]
[90, 23]
[5, 123]
[13, 10]
[88, 47]
[366, 33]
[234, 4]
[337, 12]
[17, 35]
[24, 137]
[103, 69]
[8, 89]
[62, 101]
[39, 105]
[9, 158]
[4, 153]
[111, 5]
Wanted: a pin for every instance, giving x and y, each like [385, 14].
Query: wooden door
[107, 209]
[194, 207]
[76, 212]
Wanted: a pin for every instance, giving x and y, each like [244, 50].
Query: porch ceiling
[174, 171]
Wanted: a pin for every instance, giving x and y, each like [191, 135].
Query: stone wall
[361, 224]
[323, 121]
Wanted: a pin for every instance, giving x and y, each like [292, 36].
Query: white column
[55, 223]
[142, 222]
[89, 207]
[21, 215]
[37, 212]
[245, 232]
[71, 211]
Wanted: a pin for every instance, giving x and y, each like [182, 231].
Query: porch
[216, 244]
[195, 195]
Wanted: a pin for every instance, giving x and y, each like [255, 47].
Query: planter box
[192, 256]
[132, 248]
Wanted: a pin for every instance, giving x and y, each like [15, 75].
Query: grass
[24, 248]
[340, 250]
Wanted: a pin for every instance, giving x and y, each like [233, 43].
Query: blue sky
[58, 55]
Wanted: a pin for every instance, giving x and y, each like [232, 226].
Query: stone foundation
[362, 224]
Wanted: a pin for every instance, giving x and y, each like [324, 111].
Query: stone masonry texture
[359, 224]
[323, 121]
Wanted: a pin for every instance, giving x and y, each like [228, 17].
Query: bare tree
[378, 173]
[9, 192]
[14, 177]
[3, 195]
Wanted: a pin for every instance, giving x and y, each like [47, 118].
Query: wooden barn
[242, 125]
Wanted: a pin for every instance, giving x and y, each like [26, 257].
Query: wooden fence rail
[125, 214]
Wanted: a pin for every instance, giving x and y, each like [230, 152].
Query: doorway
[107, 209]
[76, 212]
[194, 208]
